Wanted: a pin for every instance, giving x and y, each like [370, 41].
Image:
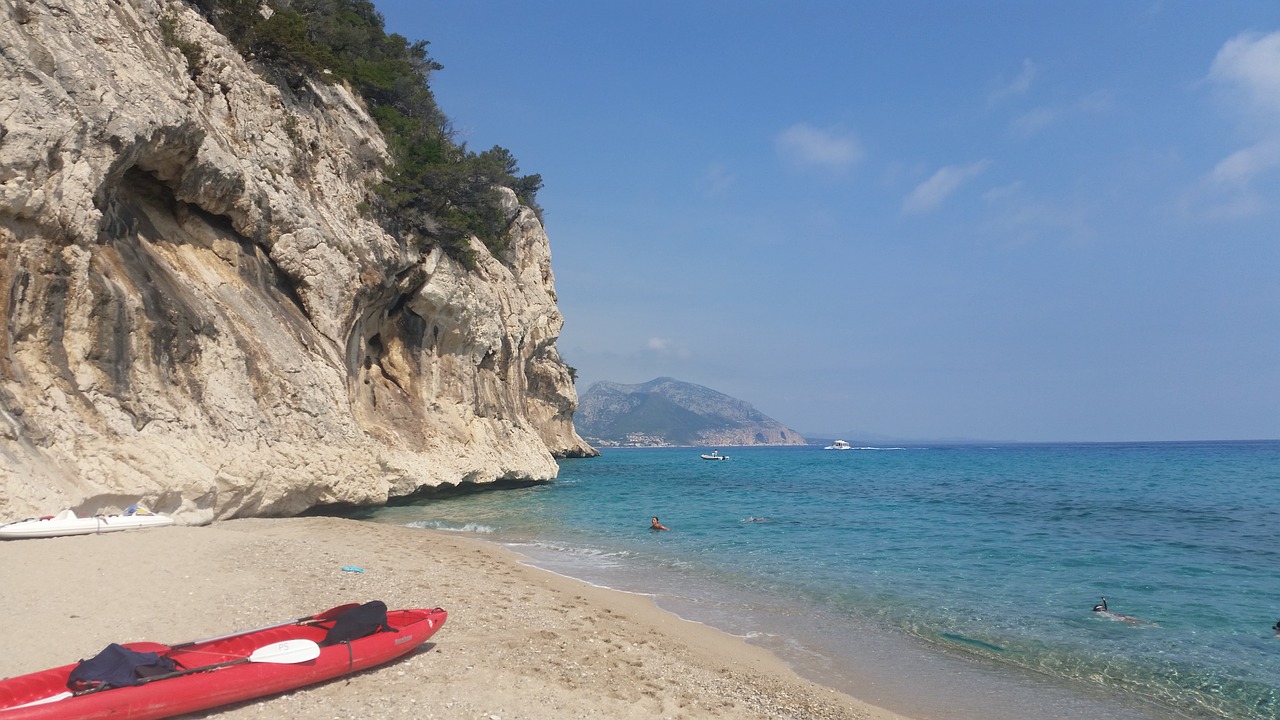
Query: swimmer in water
[655, 525]
[755, 519]
[1276, 627]
[1101, 609]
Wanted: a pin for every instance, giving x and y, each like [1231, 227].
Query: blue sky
[991, 220]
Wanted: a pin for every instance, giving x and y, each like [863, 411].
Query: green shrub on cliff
[436, 190]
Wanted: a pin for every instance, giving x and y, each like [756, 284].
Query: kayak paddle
[329, 614]
[287, 652]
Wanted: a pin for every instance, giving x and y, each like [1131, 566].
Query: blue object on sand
[353, 568]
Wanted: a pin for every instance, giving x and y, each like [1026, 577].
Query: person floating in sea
[1276, 627]
[1101, 609]
[755, 519]
[655, 525]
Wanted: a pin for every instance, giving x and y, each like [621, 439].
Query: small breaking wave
[447, 527]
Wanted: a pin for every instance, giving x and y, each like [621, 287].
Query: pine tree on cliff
[436, 191]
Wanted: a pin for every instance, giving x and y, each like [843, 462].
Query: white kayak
[66, 523]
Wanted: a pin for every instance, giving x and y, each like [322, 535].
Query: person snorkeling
[1102, 609]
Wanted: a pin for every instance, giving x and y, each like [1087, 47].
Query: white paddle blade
[41, 701]
[286, 652]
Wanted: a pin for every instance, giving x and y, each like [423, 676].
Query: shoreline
[900, 673]
[520, 642]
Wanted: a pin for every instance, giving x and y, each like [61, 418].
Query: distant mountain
[670, 412]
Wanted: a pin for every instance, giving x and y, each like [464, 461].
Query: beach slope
[519, 642]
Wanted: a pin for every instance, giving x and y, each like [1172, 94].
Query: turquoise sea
[941, 581]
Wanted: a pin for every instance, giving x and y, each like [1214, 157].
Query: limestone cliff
[197, 314]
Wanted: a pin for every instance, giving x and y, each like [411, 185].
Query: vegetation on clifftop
[436, 190]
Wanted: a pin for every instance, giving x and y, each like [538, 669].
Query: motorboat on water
[839, 445]
[715, 455]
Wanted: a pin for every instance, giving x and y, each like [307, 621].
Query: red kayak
[223, 670]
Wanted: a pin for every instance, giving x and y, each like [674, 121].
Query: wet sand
[520, 643]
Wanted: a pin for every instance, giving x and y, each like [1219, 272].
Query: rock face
[196, 313]
[665, 411]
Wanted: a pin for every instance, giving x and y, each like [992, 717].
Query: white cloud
[1241, 167]
[1018, 86]
[804, 146]
[1033, 121]
[716, 180]
[1246, 72]
[1097, 103]
[1248, 66]
[659, 350]
[1003, 192]
[1029, 220]
[1037, 119]
[1238, 187]
[929, 194]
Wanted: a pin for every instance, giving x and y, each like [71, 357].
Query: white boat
[67, 523]
[715, 455]
[839, 445]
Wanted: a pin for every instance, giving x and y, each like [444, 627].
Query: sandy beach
[520, 643]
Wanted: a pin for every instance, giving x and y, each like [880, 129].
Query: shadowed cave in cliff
[148, 243]
[141, 203]
[421, 495]
[389, 353]
[126, 270]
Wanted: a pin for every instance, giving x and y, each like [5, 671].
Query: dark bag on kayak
[118, 666]
[358, 622]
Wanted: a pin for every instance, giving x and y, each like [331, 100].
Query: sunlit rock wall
[196, 313]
